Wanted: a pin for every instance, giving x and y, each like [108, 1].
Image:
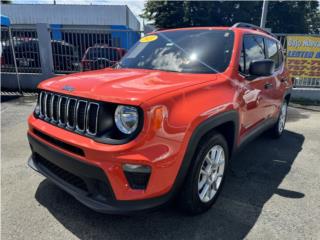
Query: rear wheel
[277, 130]
[206, 176]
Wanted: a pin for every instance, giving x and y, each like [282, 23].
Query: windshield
[191, 51]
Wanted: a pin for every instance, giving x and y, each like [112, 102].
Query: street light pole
[264, 13]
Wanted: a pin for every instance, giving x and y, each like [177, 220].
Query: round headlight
[126, 119]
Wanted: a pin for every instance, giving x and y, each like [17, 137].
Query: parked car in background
[26, 53]
[65, 55]
[101, 56]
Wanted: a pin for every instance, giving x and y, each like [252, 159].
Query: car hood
[126, 86]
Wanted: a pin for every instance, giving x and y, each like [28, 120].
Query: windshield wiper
[165, 70]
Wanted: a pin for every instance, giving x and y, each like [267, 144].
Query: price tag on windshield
[149, 38]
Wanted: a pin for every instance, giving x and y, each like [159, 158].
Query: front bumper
[86, 182]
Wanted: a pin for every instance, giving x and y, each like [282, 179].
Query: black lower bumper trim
[42, 159]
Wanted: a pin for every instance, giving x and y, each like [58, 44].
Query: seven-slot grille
[69, 112]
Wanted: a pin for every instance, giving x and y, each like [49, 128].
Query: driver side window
[253, 49]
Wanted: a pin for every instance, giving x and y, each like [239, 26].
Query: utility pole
[264, 13]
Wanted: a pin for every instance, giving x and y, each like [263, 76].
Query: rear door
[253, 94]
[274, 93]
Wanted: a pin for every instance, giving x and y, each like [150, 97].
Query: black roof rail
[252, 26]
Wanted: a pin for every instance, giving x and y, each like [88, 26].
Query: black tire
[189, 199]
[275, 131]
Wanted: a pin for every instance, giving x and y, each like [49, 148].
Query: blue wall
[56, 31]
[5, 21]
[127, 38]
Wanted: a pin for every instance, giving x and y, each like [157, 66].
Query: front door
[254, 90]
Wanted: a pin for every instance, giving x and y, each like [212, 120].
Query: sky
[136, 6]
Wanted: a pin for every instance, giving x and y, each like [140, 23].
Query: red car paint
[173, 105]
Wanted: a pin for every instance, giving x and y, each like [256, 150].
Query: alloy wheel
[282, 117]
[211, 173]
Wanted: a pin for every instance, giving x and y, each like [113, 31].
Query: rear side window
[253, 49]
[280, 53]
[272, 51]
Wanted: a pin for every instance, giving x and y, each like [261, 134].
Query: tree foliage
[283, 16]
[6, 1]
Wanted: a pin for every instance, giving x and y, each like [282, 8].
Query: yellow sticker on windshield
[149, 38]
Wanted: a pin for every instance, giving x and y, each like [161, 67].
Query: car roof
[235, 29]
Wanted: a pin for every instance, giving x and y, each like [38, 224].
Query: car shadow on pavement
[255, 176]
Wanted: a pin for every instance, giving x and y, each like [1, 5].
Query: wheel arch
[226, 123]
[287, 95]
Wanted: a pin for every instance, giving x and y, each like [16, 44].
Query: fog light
[137, 175]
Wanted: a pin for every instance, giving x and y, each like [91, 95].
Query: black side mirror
[263, 67]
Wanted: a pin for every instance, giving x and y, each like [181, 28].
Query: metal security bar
[7, 54]
[25, 44]
[307, 82]
[73, 49]
[80, 49]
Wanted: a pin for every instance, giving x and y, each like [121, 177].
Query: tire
[192, 198]
[277, 130]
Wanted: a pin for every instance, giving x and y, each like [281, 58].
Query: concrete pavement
[272, 192]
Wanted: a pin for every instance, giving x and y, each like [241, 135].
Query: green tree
[294, 17]
[166, 14]
[283, 16]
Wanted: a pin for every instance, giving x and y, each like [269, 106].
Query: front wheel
[206, 176]
[277, 130]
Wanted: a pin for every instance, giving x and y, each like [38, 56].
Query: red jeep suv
[164, 122]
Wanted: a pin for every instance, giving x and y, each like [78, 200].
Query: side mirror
[263, 67]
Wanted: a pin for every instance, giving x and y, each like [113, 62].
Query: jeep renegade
[164, 122]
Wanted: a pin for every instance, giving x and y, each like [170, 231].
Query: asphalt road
[272, 192]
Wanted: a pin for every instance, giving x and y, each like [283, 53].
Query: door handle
[268, 85]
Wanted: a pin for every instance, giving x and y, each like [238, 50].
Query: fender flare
[203, 128]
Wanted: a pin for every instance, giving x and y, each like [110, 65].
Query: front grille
[69, 112]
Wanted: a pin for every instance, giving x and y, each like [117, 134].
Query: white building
[81, 15]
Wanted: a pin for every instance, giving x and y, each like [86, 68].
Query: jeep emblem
[68, 88]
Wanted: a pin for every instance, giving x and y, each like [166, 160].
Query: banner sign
[303, 57]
